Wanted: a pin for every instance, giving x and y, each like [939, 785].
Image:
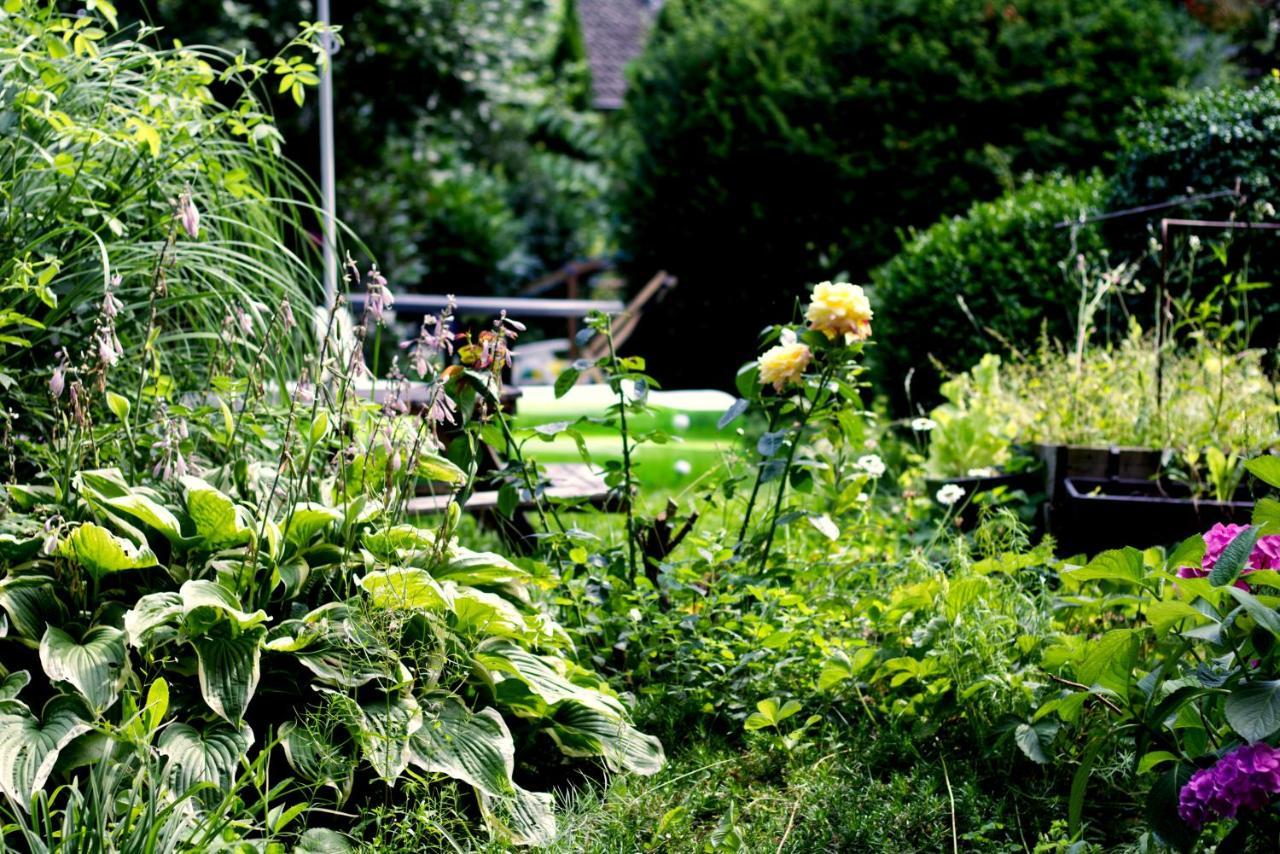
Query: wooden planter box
[1098, 463]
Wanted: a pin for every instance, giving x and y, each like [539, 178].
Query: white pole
[329, 195]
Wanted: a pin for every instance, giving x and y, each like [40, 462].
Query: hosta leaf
[477, 749]
[17, 547]
[405, 587]
[322, 840]
[210, 754]
[434, 467]
[203, 595]
[307, 519]
[228, 667]
[584, 731]
[147, 510]
[153, 620]
[102, 483]
[102, 552]
[399, 543]
[219, 521]
[29, 747]
[385, 739]
[545, 677]
[476, 612]
[464, 566]
[32, 603]
[318, 760]
[94, 666]
[13, 684]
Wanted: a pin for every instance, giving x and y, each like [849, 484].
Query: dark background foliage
[782, 143]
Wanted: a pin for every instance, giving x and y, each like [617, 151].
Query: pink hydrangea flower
[1245, 779]
[1266, 554]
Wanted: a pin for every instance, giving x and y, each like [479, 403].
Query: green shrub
[996, 276]
[1204, 142]
[777, 143]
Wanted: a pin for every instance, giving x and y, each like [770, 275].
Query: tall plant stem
[791, 458]
[626, 458]
[755, 489]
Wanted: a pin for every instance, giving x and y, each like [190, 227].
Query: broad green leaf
[1110, 661]
[1266, 515]
[1234, 557]
[483, 614]
[476, 749]
[102, 483]
[545, 677]
[1265, 616]
[119, 406]
[1164, 613]
[582, 731]
[202, 594]
[1028, 740]
[95, 665]
[102, 552]
[219, 521]
[1253, 709]
[32, 603]
[1265, 468]
[157, 704]
[149, 511]
[210, 754]
[318, 760]
[228, 667]
[29, 747]
[307, 519]
[840, 666]
[1115, 565]
[13, 684]
[385, 739]
[403, 588]
[568, 379]
[153, 620]
[769, 713]
[437, 468]
[322, 840]
[1190, 552]
[399, 543]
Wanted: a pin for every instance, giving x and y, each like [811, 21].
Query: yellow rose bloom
[840, 309]
[784, 365]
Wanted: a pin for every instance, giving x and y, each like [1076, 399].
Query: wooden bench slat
[566, 481]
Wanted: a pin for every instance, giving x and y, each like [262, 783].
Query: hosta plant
[360, 650]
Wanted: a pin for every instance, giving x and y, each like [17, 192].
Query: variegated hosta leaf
[13, 684]
[210, 754]
[20, 538]
[147, 510]
[388, 727]
[228, 665]
[479, 613]
[484, 569]
[217, 602]
[153, 620]
[32, 603]
[399, 543]
[101, 483]
[219, 521]
[318, 760]
[307, 519]
[29, 747]
[405, 588]
[477, 749]
[95, 665]
[584, 731]
[540, 681]
[102, 552]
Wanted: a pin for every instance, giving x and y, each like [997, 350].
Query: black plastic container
[1096, 514]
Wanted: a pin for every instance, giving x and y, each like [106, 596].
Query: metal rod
[328, 193]
[1172, 203]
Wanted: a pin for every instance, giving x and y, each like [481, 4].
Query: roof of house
[614, 32]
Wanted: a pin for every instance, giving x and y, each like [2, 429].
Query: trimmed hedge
[995, 277]
[783, 142]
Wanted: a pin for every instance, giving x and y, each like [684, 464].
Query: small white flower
[862, 498]
[871, 464]
[923, 425]
[1194, 243]
[949, 494]
[680, 421]
[635, 615]
[683, 467]
[1267, 209]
